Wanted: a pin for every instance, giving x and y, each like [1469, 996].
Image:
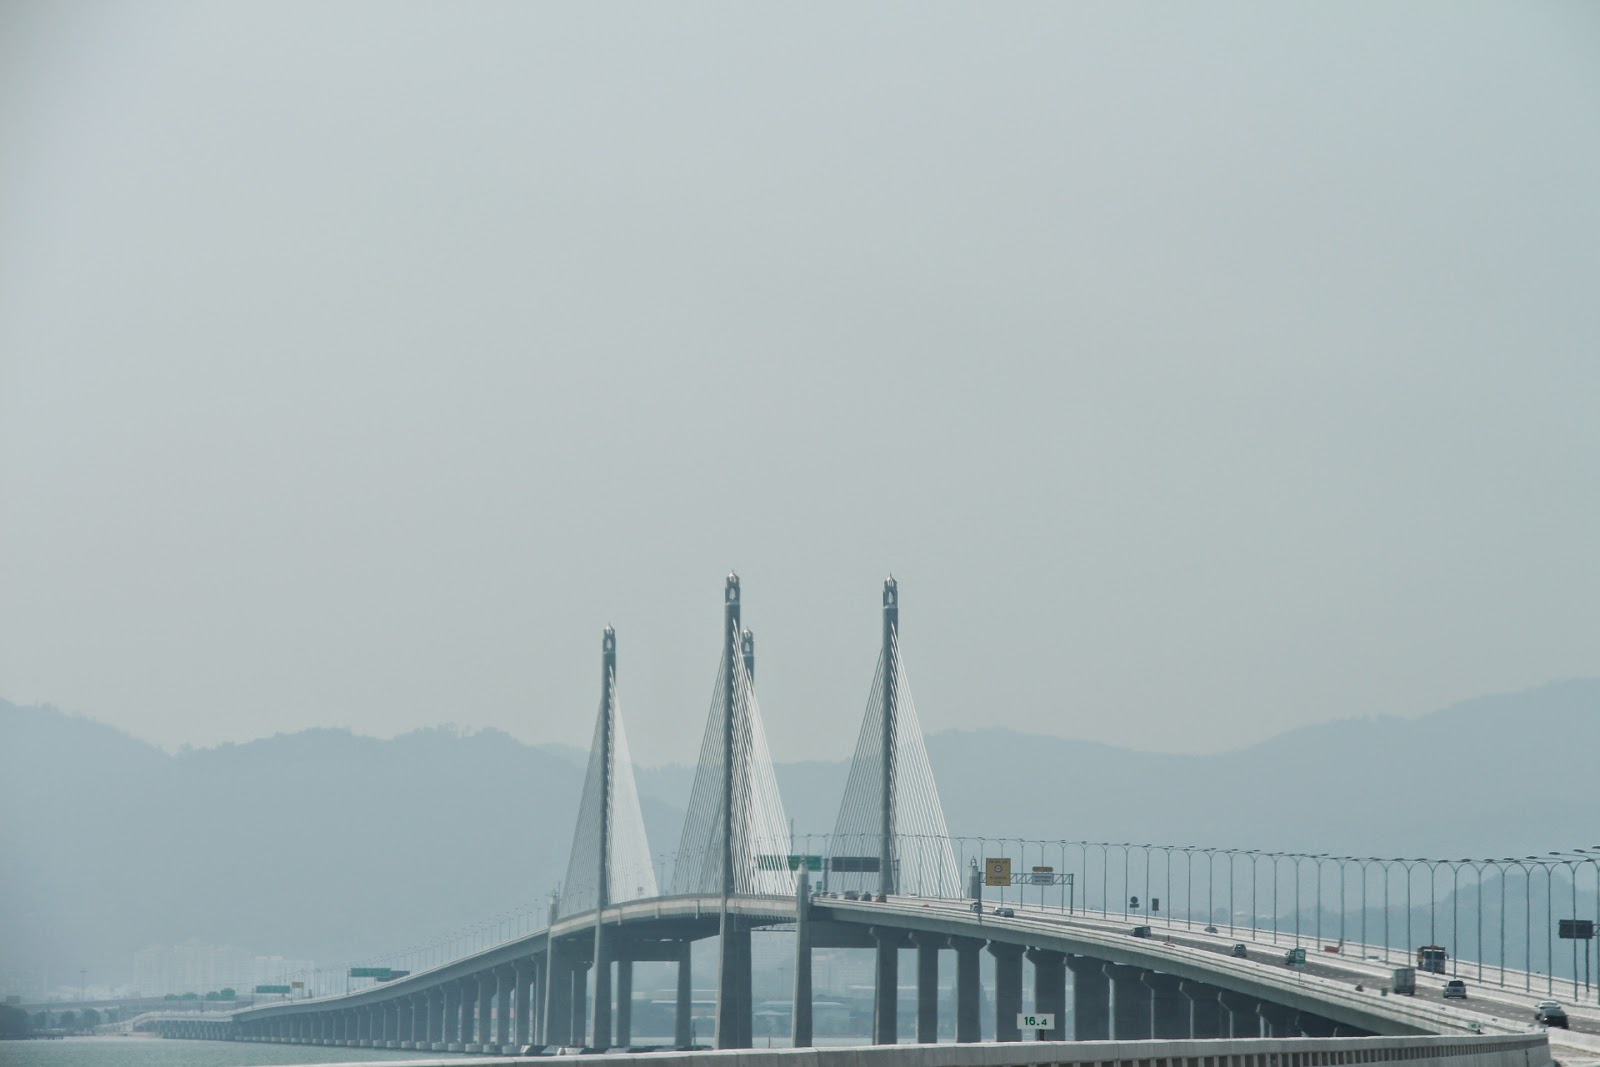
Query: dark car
[1005, 913]
[1238, 950]
[1552, 1014]
[1141, 931]
[1455, 989]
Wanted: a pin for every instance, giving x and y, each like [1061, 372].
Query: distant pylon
[611, 860]
[735, 833]
[891, 834]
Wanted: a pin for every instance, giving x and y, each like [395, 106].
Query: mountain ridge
[274, 844]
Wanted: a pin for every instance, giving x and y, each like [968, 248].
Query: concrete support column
[537, 980]
[600, 1036]
[1050, 990]
[683, 1016]
[1007, 990]
[1276, 1020]
[733, 988]
[452, 1016]
[521, 1032]
[1206, 1018]
[886, 987]
[928, 946]
[1239, 1018]
[624, 1002]
[1130, 1003]
[558, 996]
[1169, 1008]
[469, 1013]
[579, 1027]
[969, 1027]
[440, 1029]
[800, 1006]
[1091, 999]
[505, 986]
[488, 989]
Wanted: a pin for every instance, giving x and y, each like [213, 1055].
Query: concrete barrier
[1500, 1050]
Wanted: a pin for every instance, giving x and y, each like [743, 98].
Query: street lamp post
[1589, 856]
[1297, 860]
[1319, 857]
[1188, 889]
[1168, 850]
[1233, 854]
[1255, 912]
[1549, 931]
[1572, 874]
[1126, 902]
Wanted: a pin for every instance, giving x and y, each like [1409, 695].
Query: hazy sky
[1200, 370]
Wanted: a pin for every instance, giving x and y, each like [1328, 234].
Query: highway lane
[1507, 1009]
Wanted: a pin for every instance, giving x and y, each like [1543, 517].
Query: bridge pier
[452, 1016]
[521, 1032]
[969, 1026]
[600, 1036]
[1091, 999]
[928, 946]
[1169, 1009]
[1007, 990]
[1239, 1011]
[483, 1032]
[1050, 990]
[558, 995]
[624, 1002]
[733, 985]
[1130, 1003]
[1276, 1020]
[886, 988]
[579, 1026]
[500, 1037]
[801, 1008]
[467, 1040]
[683, 1014]
[1206, 1019]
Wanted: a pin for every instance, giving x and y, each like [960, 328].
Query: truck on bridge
[1432, 958]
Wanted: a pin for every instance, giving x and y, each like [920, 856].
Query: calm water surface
[155, 1052]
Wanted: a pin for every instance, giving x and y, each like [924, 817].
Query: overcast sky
[1201, 371]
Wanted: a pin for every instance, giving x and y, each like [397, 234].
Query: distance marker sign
[1041, 1021]
[997, 871]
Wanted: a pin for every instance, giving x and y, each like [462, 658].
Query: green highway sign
[369, 972]
[272, 989]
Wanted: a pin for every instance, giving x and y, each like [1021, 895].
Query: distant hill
[1495, 775]
[327, 845]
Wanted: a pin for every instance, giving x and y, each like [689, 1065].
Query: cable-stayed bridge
[889, 879]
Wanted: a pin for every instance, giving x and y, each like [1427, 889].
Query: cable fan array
[760, 828]
[631, 876]
[924, 863]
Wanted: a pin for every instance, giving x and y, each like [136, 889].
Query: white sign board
[1047, 1021]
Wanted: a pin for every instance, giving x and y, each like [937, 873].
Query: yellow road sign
[997, 871]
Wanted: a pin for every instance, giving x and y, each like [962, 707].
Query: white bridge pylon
[610, 861]
[735, 833]
[891, 835]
